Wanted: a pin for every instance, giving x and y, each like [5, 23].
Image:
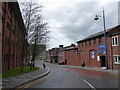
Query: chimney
[60, 46]
[72, 44]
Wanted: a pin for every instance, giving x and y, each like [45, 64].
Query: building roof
[96, 35]
[54, 49]
[70, 48]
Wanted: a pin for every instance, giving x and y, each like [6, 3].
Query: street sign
[76, 51]
[102, 49]
[93, 55]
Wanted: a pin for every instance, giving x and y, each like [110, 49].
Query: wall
[71, 57]
[13, 36]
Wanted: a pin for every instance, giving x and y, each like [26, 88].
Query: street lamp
[105, 37]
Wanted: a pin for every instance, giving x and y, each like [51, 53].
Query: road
[64, 77]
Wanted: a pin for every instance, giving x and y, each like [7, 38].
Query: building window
[117, 59]
[92, 55]
[89, 42]
[94, 41]
[82, 44]
[115, 41]
[76, 51]
[86, 43]
[100, 40]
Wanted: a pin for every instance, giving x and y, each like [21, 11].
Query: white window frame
[114, 58]
[114, 41]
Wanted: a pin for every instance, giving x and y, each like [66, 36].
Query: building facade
[53, 55]
[56, 55]
[114, 48]
[71, 55]
[61, 55]
[13, 36]
[92, 49]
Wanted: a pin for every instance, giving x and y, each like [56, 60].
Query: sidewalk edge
[92, 69]
[37, 77]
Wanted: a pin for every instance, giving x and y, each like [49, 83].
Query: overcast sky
[72, 20]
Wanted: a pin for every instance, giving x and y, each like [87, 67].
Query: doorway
[102, 61]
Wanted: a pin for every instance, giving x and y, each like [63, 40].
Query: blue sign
[76, 51]
[102, 49]
[93, 55]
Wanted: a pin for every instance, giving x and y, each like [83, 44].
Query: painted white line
[75, 74]
[89, 84]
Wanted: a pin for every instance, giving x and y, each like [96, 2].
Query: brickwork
[71, 55]
[13, 34]
[87, 50]
[89, 53]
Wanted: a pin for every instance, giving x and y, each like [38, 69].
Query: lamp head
[96, 18]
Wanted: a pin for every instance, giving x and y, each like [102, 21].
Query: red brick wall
[85, 55]
[72, 58]
[13, 39]
[113, 50]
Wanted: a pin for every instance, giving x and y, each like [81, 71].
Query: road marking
[34, 82]
[75, 74]
[89, 84]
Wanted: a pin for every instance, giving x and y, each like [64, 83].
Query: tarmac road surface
[64, 77]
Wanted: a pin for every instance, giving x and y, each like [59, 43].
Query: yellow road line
[34, 82]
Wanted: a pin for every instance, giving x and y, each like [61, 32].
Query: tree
[36, 28]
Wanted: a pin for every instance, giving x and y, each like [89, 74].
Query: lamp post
[105, 37]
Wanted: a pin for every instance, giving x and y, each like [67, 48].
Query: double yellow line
[33, 82]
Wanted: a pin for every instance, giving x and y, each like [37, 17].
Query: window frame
[94, 41]
[100, 40]
[86, 42]
[114, 41]
[90, 43]
[82, 44]
[116, 59]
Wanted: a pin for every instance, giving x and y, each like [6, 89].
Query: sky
[72, 20]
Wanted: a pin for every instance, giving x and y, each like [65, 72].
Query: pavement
[99, 69]
[19, 80]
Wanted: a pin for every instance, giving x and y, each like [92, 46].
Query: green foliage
[17, 71]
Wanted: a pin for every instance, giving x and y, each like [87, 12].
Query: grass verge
[17, 71]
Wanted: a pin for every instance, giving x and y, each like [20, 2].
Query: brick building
[56, 55]
[114, 48]
[92, 49]
[71, 55]
[13, 36]
[53, 55]
[61, 55]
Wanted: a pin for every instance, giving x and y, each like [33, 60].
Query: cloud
[73, 20]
